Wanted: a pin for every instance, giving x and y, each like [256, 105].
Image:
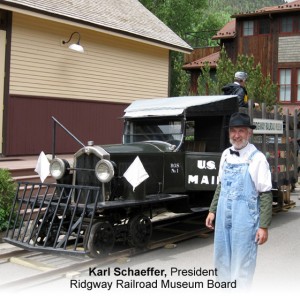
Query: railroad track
[49, 267]
[167, 232]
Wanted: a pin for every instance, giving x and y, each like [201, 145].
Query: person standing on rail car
[242, 205]
[238, 87]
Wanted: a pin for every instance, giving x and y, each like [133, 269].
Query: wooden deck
[22, 167]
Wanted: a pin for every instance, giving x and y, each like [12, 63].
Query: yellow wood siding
[111, 68]
[2, 76]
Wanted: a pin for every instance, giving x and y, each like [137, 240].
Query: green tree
[7, 193]
[237, 6]
[181, 80]
[207, 85]
[225, 70]
[181, 16]
[196, 22]
[260, 89]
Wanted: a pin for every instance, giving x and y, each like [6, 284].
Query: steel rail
[180, 235]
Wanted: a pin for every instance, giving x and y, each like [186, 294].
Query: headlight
[57, 168]
[104, 170]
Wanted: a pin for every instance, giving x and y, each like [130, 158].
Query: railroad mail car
[168, 159]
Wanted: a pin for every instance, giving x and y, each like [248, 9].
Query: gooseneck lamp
[75, 46]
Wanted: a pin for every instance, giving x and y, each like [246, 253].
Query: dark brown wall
[261, 47]
[29, 126]
[199, 53]
[230, 47]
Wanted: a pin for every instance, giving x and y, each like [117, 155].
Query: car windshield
[153, 130]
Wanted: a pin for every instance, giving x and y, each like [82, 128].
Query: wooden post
[295, 146]
[287, 146]
[264, 136]
[276, 148]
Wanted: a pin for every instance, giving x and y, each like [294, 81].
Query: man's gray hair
[241, 76]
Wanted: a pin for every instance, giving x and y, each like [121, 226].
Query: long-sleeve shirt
[260, 174]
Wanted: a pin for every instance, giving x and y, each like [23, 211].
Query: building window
[286, 25]
[248, 28]
[285, 80]
[264, 26]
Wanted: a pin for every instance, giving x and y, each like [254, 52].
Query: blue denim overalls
[237, 222]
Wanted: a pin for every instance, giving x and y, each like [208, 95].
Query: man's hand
[210, 220]
[261, 236]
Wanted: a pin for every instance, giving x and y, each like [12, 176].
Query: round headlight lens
[104, 170]
[57, 168]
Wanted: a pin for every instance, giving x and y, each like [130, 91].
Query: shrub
[260, 88]
[7, 193]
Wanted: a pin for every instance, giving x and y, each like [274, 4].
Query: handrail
[55, 121]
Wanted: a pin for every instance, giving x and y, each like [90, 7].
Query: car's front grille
[85, 172]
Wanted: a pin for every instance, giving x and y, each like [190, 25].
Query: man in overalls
[242, 205]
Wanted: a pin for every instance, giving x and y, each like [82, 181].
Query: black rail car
[169, 160]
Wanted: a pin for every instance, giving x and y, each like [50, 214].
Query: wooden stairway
[22, 168]
[28, 175]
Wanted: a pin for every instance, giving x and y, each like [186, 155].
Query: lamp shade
[76, 47]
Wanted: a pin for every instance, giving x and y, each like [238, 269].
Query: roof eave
[79, 22]
[223, 37]
[193, 67]
[262, 13]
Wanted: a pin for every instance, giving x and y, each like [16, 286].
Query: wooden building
[126, 56]
[272, 36]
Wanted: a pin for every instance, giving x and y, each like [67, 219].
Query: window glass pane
[153, 130]
[285, 93]
[285, 84]
[288, 93]
[287, 24]
[248, 28]
[285, 76]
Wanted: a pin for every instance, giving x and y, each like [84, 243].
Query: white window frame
[285, 85]
[298, 85]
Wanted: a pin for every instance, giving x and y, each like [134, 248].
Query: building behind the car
[126, 56]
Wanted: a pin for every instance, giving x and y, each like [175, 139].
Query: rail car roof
[175, 106]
